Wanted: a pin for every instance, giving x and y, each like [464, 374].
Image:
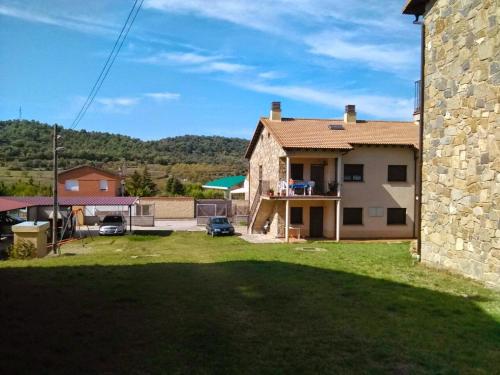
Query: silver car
[112, 225]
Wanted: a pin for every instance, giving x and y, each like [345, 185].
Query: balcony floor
[299, 197]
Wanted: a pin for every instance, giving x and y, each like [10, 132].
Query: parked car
[112, 224]
[6, 223]
[218, 226]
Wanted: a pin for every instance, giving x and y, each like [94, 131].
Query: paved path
[260, 238]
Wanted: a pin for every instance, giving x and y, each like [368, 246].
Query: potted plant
[332, 188]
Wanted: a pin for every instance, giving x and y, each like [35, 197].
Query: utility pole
[20, 113]
[55, 208]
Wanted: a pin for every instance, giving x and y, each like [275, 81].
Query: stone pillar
[34, 232]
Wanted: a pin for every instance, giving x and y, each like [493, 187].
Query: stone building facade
[461, 160]
[319, 151]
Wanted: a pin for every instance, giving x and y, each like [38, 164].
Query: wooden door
[316, 222]
[318, 176]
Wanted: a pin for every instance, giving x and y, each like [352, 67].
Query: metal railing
[255, 203]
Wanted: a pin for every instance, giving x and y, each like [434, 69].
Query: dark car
[218, 226]
[6, 223]
[112, 225]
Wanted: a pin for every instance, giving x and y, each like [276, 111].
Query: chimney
[275, 111]
[350, 114]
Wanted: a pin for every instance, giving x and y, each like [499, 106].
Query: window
[353, 172]
[297, 171]
[375, 212]
[146, 209]
[396, 173]
[353, 216]
[296, 215]
[396, 216]
[103, 185]
[71, 185]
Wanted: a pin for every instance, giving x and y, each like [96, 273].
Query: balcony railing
[304, 188]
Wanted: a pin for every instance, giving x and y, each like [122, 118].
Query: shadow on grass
[234, 317]
[152, 233]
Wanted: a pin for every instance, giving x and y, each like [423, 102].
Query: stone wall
[267, 153]
[170, 207]
[461, 163]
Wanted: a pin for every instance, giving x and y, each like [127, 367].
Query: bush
[22, 249]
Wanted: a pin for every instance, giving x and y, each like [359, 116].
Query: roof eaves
[253, 141]
[103, 171]
[416, 7]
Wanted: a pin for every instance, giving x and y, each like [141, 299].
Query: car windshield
[112, 219]
[219, 220]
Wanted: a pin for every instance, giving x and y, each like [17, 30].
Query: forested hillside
[27, 145]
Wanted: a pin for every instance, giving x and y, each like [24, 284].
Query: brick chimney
[350, 114]
[275, 111]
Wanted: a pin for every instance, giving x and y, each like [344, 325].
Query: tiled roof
[293, 133]
[73, 201]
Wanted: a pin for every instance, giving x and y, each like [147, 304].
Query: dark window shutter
[396, 173]
[396, 216]
[353, 216]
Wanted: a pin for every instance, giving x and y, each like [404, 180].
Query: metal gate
[211, 207]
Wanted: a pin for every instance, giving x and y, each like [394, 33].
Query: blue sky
[206, 67]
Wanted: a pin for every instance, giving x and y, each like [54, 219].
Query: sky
[208, 67]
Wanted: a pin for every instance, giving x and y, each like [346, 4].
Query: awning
[9, 205]
[71, 201]
[242, 190]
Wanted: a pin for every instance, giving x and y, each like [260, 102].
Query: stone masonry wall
[461, 163]
[267, 154]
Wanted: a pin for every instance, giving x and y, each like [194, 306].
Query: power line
[109, 62]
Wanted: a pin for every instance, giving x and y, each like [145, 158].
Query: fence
[206, 208]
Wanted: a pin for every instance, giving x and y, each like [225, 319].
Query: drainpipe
[287, 203]
[421, 141]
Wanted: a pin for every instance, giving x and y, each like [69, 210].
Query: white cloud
[346, 47]
[224, 67]
[271, 74]
[81, 23]
[163, 96]
[310, 22]
[117, 104]
[381, 107]
[195, 62]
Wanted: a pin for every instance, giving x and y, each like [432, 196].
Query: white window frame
[101, 188]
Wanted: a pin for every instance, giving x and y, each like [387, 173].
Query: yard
[188, 303]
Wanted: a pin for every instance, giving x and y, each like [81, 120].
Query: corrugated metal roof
[225, 182]
[9, 205]
[73, 201]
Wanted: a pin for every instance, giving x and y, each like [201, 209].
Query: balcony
[306, 177]
[303, 190]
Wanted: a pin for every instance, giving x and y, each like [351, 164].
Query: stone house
[329, 178]
[460, 227]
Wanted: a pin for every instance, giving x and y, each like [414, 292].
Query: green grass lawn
[192, 304]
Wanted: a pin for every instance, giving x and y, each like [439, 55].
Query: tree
[140, 184]
[149, 187]
[174, 187]
[133, 184]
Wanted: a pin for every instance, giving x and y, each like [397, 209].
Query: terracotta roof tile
[316, 133]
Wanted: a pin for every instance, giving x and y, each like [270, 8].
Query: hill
[26, 146]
